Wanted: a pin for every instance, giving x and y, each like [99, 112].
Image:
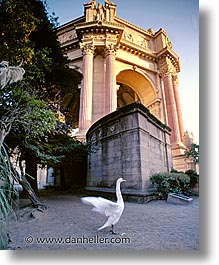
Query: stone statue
[10, 74]
[100, 12]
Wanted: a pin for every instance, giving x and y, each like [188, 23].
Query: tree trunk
[31, 194]
[28, 190]
[62, 177]
[31, 170]
[3, 134]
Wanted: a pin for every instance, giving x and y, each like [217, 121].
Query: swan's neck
[118, 193]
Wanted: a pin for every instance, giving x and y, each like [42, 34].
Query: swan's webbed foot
[111, 230]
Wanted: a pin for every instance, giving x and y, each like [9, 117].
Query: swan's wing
[100, 205]
[114, 216]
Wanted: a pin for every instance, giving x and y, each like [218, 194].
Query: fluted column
[111, 93]
[171, 108]
[85, 114]
[178, 105]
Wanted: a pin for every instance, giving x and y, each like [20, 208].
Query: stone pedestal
[130, 143]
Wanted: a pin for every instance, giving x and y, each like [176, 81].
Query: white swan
[113, 210]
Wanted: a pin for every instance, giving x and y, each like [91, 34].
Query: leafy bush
[184, 182]
[194, 177]
[170, 182]
[8, 196]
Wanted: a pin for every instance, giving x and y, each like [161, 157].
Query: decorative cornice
[133, 49]
[71, 46]
[98, 24]
[69, 25]
[111, 32]
[147, 32]
[99, 27]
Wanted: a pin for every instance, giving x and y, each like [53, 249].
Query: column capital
[110, 49]
[165, 73]
[168, 71]
[166, 68]
[87, 48]
[175, 79]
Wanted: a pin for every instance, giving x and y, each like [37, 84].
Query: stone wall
[130, 143]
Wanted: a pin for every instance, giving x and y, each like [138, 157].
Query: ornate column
[171, 108]
[178, 105]
[165, 119]
[111, 92]
[85, 113]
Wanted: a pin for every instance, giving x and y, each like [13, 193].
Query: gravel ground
[69, 224]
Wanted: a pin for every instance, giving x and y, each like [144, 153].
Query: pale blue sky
[180, 19]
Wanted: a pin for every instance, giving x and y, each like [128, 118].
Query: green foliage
[17, 23]
[7, 197]
[193, 153]
[27, 35]
[38, 120]
[28, 108]
[194, 177]
[56, 149]
[19, 108]
[170, 182]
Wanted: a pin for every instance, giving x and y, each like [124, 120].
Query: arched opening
[139, 83]
[71, 104]
[125, 95]
[135, 86]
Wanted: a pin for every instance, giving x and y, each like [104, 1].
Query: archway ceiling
[139, 84]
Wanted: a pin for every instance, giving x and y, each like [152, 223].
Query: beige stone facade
[130, 143]
[122, 63]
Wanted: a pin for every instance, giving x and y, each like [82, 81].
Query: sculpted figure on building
[99, 12]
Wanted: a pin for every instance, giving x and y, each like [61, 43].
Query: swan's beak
[123, 180]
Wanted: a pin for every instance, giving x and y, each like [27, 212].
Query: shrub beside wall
[194, 177]
[170, 182]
